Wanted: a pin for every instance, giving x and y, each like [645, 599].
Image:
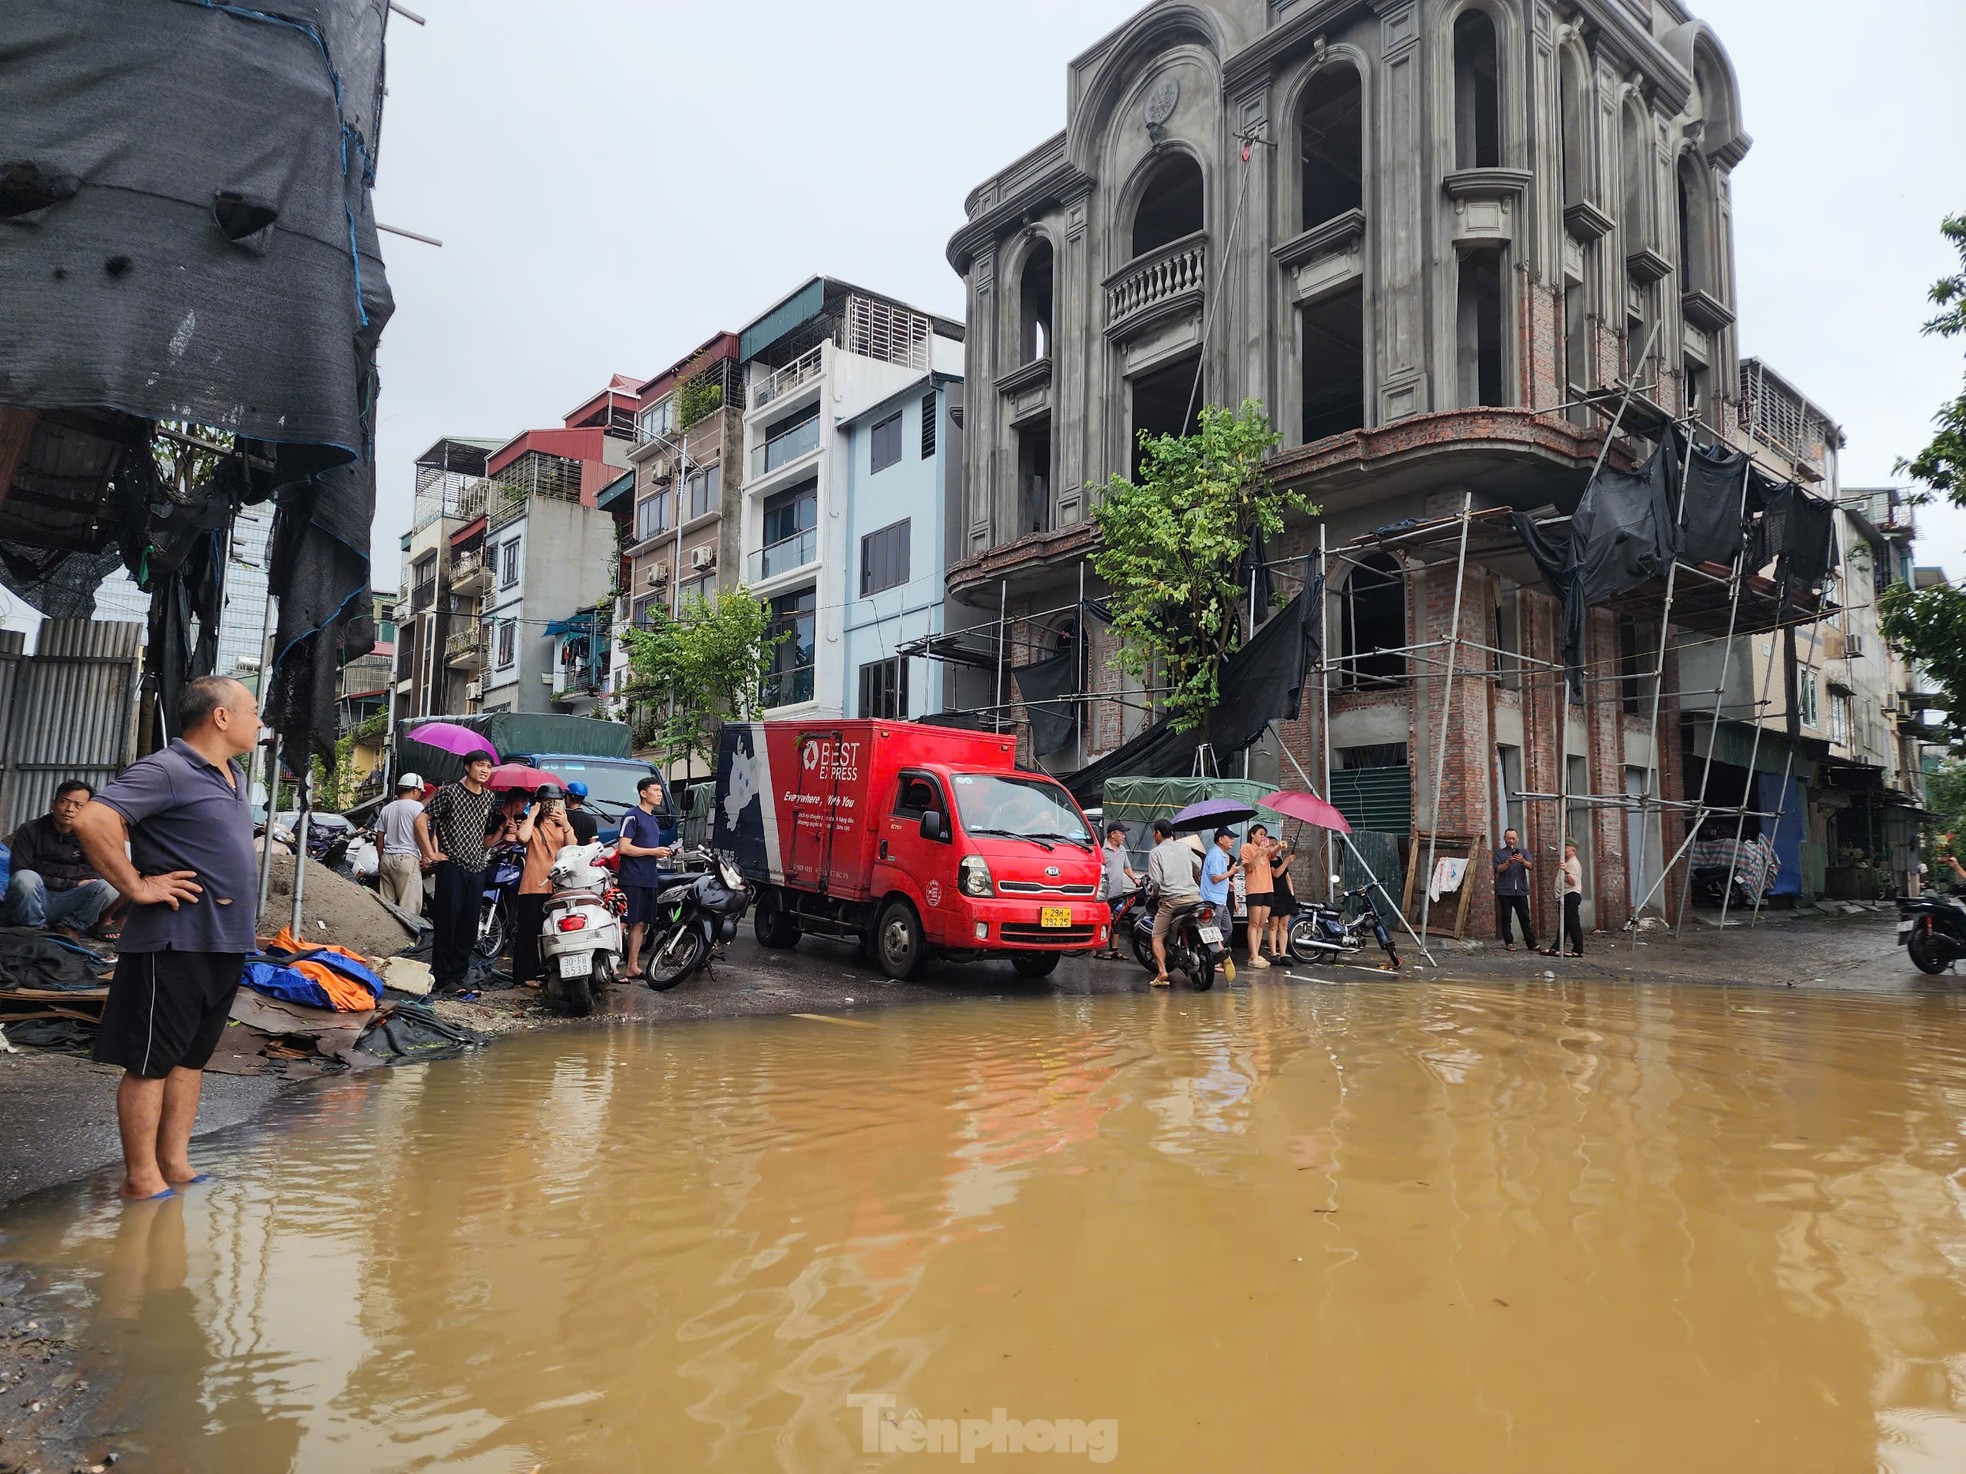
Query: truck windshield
[610, 785]
[1021, 808]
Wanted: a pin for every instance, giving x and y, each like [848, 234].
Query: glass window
[884, 558]
[887, 442]
[706, 489]
[1839, 716]
[1020, 807]
[651, 516]
[884, 689]
[702, 587]
[507, 640]
[1806, 700]
[508, 564]
[789, 513]
[659, 419]
[928, 424]
[790, 677]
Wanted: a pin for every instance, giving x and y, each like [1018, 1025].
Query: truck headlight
[973, 877]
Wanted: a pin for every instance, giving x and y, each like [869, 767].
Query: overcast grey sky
[614, 182]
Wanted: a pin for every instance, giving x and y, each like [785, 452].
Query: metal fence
[67, 711]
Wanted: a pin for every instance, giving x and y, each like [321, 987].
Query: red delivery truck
[912, 839]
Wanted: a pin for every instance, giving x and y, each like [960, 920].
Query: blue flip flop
[154, 1197]
[202, 1177]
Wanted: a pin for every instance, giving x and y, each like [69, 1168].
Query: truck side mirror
[934, 826]
[686, 801]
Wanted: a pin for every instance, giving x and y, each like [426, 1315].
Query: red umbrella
[519, 775]
[450, 737]
[1308, 807]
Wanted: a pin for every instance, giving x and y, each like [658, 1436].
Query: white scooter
[580, 936]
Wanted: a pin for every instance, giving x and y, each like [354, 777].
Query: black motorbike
[1337, 931]
[1932, 930]
[1196, 941]
[694, 914]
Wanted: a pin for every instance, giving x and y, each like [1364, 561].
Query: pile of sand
[334, 909]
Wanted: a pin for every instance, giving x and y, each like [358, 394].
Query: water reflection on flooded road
[1389, 1226]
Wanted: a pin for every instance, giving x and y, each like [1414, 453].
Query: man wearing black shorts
[192, 881]
[644, 845]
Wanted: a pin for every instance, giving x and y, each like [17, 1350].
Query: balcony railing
[784, 449]
[785, 555]
[470, 573]
[465, 650]
[788, 687]
[1179, 269]
[801, 370]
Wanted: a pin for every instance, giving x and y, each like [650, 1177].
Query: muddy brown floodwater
[1383, 1226]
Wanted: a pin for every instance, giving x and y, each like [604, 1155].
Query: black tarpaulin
[1713, 508]
[1043, 684]
[186, 235]
[1261, 683]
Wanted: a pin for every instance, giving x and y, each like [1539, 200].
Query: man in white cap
[399, 860]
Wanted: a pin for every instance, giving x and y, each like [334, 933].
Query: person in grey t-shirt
[192, 881]
[1118, 877]
[399, 858]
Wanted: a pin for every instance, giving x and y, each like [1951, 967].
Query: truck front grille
[1042, 887]
[1030, 931]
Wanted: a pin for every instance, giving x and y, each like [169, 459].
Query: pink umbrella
[450, 737]
[1307, 807]
[518, 775]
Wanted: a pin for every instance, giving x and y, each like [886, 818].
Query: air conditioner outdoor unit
[474, 690]
[1853, 647]
[657, 575]
[704, 557]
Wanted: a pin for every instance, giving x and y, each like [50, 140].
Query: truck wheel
[1035, 964]
[899, 945]
[1924, 956]
[775, 925]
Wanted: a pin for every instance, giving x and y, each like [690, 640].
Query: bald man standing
[192, 880]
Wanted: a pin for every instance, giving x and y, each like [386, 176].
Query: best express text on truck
[911, 839]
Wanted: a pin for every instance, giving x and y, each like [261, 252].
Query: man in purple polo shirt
[192, 881]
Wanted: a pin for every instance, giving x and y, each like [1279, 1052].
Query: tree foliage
[1929, 625]
[1170, 545]
[701, 668]
[1945, 795]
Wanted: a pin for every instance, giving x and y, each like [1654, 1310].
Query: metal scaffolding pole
[1658, 688]
[1324, 687]
[1003, 609]
[1446, 714]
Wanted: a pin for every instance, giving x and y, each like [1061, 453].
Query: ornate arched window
[1477, 93]
[1573, 108]
[1331, 145]
[1170, 205]
[1696, 244]
[1034, 304]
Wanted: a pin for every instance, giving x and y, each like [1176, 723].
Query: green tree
[701, 668]
[1945, 795]
[1169, 546]
[1929, 625]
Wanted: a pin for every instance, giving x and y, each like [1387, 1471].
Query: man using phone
[1512, 891]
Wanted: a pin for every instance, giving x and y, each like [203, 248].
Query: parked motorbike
[693, 915]
[1324, 931]
[580, 936]
[495, 904]
[1932, 930]
[1196, 943]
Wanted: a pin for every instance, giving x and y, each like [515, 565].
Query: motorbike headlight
[973, 877]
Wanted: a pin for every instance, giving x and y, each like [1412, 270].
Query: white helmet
[409, 780]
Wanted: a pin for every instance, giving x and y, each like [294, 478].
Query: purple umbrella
[1213, 813]
[450, 737]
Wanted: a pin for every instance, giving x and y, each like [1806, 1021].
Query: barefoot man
[192, 882]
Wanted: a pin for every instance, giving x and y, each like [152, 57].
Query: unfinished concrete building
[1438, 240]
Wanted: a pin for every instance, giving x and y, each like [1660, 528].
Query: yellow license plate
[1054, 916]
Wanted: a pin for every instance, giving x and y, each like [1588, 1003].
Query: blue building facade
[904, 474]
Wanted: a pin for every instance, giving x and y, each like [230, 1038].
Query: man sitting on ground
[53, 884]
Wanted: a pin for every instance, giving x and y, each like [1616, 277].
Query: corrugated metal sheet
[1376, 799]
[68, 711]
[775, 324]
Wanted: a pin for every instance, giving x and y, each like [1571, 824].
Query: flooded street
[1381, 1226]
